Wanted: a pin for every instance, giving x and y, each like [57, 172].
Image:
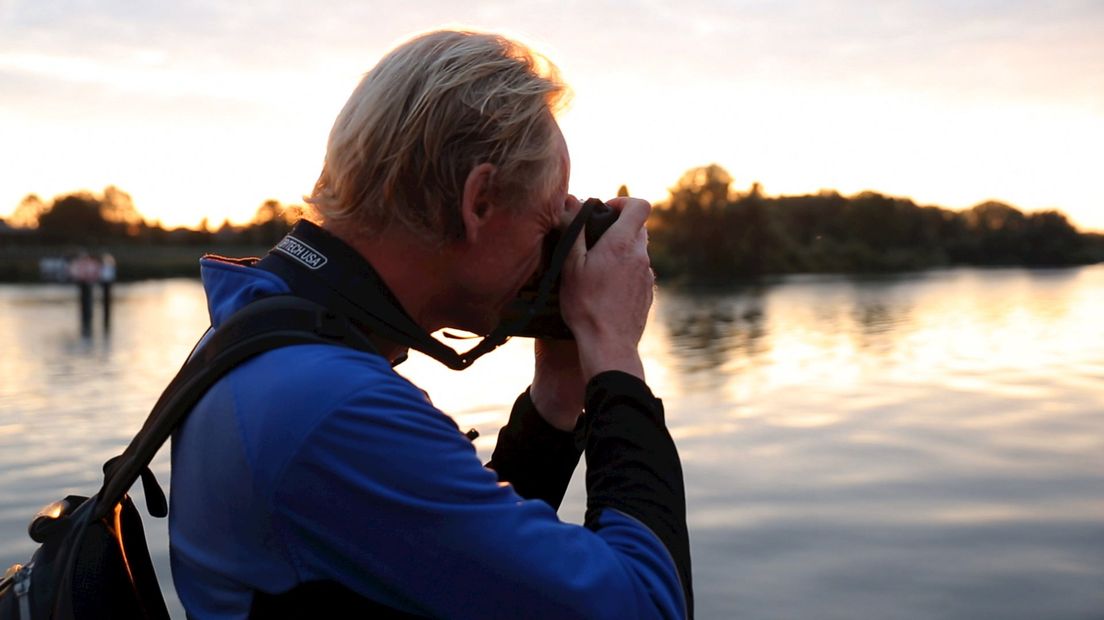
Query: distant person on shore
[107, 278]
[84, 268]
[85, 271]
[107, 269]
[315, 478]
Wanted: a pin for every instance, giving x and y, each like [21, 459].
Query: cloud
[746, 71]
[1001, 48]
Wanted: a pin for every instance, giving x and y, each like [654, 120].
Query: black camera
[546, 320]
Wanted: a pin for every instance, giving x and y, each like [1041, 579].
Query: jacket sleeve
[633, 465]
[535, 457]
[389, 499]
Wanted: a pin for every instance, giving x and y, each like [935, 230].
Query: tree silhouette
[706, 231]
[272, 221]
[75, 218]
[27, 213]
[705, 188]
[119, 207]
[1049, 239]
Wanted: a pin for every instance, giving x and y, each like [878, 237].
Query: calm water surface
[924, 446]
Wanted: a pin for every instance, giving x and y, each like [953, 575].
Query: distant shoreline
[20, 264]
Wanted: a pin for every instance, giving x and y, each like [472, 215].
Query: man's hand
[606, 293]
[558, 387]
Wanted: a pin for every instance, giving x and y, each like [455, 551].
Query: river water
[920, 446]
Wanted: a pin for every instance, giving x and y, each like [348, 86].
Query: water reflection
[707, 329]
[918, 446]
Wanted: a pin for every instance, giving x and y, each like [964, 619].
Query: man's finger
[634, 212]
[640, 242]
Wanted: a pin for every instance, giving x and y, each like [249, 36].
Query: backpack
[92, 560]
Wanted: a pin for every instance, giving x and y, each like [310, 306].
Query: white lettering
[301, 252]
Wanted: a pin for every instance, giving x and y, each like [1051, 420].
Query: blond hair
[420, 120]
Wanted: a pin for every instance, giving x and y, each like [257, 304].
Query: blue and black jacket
[315, 478]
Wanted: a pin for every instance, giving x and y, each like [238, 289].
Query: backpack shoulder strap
[266, 324]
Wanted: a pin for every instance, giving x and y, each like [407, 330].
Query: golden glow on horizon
[189, 144]
[850, 144]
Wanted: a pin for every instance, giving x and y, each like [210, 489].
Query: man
[314, 477]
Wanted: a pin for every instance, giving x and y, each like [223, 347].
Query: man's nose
[571, 208]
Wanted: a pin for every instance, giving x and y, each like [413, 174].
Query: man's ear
[477, 201]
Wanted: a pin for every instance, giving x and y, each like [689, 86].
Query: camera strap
[320, 267]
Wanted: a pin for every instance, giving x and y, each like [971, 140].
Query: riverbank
[133, 262]
[20, 263]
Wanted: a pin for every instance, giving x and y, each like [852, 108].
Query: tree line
[704, 231]
[708, 231]
[109, 218]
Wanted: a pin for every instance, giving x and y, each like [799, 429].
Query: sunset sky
[206, 109]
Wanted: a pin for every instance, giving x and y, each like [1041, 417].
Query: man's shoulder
[279, 402]
[313, 363]
[302, 380]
